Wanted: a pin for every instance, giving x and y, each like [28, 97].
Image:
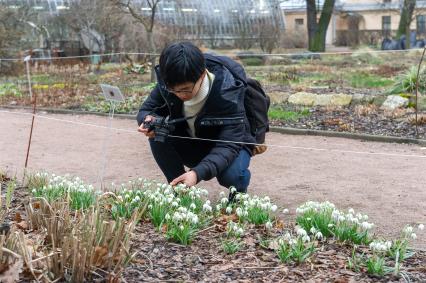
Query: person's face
[186, 91]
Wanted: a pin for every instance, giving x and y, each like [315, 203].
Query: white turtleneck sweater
[193, 107]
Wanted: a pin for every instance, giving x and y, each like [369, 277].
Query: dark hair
[181, 62]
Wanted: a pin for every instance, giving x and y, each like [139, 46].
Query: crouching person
[206, 128]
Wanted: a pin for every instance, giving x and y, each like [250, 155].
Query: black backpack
[256, 103]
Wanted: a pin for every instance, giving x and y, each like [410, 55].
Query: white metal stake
[104, 142]
[27, 64]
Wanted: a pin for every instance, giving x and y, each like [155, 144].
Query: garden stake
[417, 90]
[34, 99]
[104, 142]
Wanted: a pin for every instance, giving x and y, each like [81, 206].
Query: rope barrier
[303, 53]
[221, 141]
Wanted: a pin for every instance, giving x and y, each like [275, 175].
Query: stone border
[281, 130]
[355, 136]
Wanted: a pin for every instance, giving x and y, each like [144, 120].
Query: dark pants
[172, 155]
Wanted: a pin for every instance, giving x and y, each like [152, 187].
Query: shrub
[406, 82]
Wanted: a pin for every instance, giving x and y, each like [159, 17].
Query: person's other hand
[145, 131]
[189, 179]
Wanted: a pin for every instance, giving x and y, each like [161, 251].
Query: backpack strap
[215, 59]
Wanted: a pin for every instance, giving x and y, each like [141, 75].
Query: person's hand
[189, 179]
[145, 131]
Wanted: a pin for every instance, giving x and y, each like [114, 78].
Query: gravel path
[390, 189]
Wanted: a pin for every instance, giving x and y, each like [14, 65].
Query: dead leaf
[280, 224]
[3, 267]
[99, 257]
[11, 275]
[23, 225]
[36, 205]
[18, 217]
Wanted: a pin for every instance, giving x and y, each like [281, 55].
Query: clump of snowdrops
[324, 217]
[249, 209]
[180, 211]
[297, 247]
[53, 188]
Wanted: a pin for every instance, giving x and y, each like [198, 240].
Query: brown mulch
[205, 261]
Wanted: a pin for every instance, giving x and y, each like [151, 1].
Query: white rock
[393, 102]
[302, 98]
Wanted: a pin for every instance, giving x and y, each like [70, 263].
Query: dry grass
[421, 119]
[80, 246]
[365, 110]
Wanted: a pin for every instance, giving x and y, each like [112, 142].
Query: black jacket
[221, 118]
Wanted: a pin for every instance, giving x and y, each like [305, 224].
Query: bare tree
[12, 27]
[245, 36]
[317, 30]
[407, 13]
[146, 19]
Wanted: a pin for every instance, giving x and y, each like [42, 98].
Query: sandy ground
[390, 189]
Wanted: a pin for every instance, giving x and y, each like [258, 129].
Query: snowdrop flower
[306, 239]
[233, 190]
[273, 208]
[268, 225]
[194, 219]
[301, 232]
[351, 211]
[228, 210]
[287, 236]
[313, 230]
[285, 211]
[421, 227]
[224, 201]
[408, 230]
[192, 206]
[120, 198]
[380, 246]
[150, 206]
[222, 194]
[239, 211]
[167, 217]
[207, 207]
[181, 227]
[34, 191]
[413, 236]
[218, 207]
[366, 226]
[175, 204]
[240, 231]
[319, 235]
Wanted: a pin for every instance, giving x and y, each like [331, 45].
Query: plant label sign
[112, 93]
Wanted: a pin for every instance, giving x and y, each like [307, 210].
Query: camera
[161, 127]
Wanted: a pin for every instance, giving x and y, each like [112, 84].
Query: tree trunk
[317, 31]
[405, 21]
[152, 50]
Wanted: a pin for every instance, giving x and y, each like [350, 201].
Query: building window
[386, 23]
[421, 24]
[298, 23]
